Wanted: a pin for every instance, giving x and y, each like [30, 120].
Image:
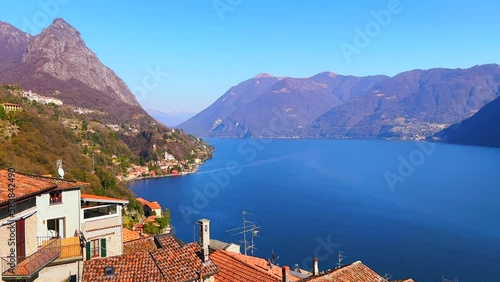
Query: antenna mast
[341, 257]
[253, 230]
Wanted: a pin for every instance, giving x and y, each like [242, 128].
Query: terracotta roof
[102, 199]
[142, 201]
[234, 270]
[139, 245]
[152, 205]
[179, 265]
[27, 186]
[129, 235]
[355, 272]
[167, 242]
[183, 264]
[138, 267]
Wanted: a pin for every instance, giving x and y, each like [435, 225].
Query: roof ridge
[150, 253]
[247, 264]
[46, 177]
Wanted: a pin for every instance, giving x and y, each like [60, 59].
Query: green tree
[166, 215]
[3, 113]
[151, 228]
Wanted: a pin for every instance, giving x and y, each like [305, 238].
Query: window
[96, 248]
[109, 271]
[99, 211]
[55, 227]
[55, 197]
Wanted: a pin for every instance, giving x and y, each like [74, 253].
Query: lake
[408, 209]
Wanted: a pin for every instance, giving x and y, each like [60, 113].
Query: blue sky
[207, 46]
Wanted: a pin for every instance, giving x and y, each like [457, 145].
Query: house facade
[41, 216]
[48, 228]
[101, 224]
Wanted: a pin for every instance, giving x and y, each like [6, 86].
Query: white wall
[69, 209]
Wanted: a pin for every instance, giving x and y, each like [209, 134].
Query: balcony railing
[25, 267]
[70, 248]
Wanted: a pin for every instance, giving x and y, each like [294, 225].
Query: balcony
[50, 251]
[70, 249]
[25, 267]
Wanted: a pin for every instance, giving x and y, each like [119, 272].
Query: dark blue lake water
[408, 209]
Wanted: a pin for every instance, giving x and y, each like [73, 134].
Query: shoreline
[156, 176]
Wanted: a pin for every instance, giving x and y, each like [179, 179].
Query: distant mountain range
[172, 118]
[411, 105]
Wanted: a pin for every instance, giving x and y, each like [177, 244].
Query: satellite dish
[60, 170]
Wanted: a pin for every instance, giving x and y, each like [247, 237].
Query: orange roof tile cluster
[176, 265]
[152, 205]
[355, 272]
[167, 242]
[129, 235]
[234, 270]
[139, 245]
[183, 264]
[27, 186]
[128, 268]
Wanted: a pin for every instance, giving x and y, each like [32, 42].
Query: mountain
[171, 119]
[411, 105]
[481, 129]
[57, 63]
[268, 106]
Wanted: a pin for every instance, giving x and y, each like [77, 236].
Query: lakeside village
[51, 231]
[167, 166]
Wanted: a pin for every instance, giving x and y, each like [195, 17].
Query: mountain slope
[481, 129]
[57, 63]
[411, 105]
[267, 106]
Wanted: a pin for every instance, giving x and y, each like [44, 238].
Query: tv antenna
[341, 257]
[248, 227]
[60, 170]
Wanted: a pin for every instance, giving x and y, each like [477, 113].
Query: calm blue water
[316, 197]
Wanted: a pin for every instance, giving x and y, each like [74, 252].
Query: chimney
[204, 238]
[315, 266]
[284, 274]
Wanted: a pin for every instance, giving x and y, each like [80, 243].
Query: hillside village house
[150, 208]
[51, 220]
[10, 107]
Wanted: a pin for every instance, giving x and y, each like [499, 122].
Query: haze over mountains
[411, 105]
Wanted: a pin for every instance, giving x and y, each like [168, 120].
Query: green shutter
[103, 247]
[87, 250]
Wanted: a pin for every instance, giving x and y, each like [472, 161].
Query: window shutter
[87, 250]
[103, 247]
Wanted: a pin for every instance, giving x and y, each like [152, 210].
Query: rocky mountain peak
[60, 51]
